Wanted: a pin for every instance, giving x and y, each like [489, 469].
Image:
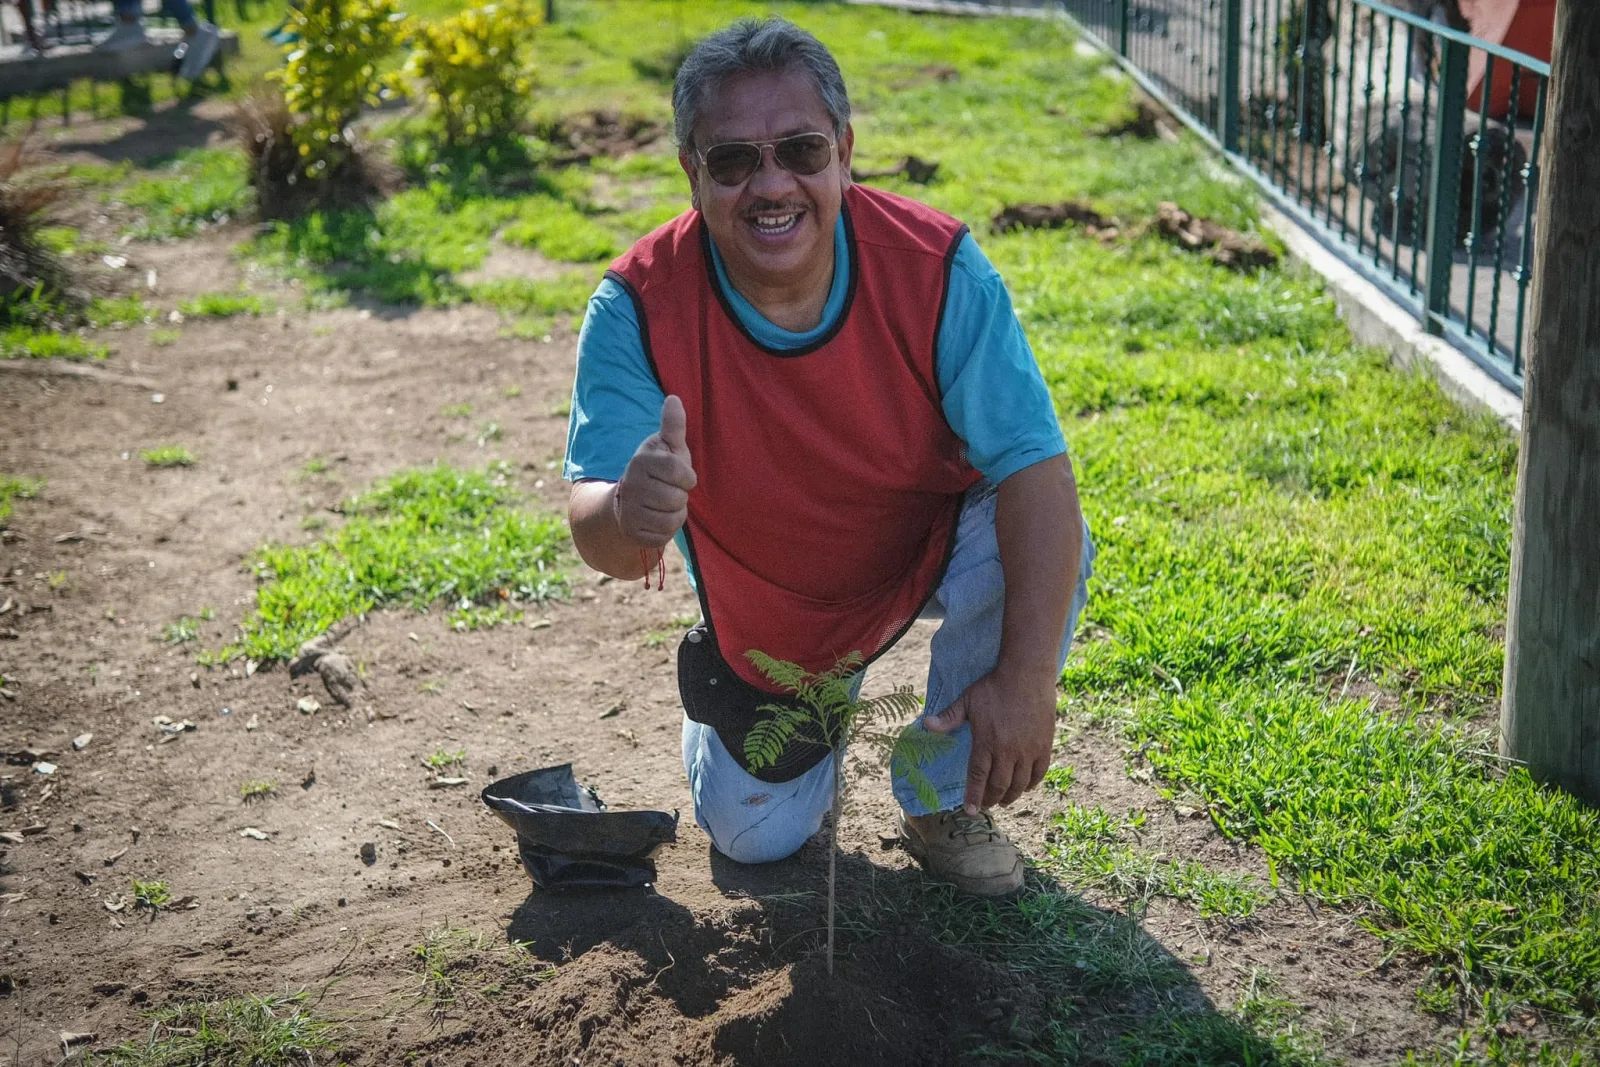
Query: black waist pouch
[567, 840]
[715, 696]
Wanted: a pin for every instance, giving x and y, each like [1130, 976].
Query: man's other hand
[652, 499]
[1013, 731]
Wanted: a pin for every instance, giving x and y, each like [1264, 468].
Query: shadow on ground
[920, 976]
[163, 132]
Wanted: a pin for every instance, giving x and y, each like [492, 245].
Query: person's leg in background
[201, 39]
[30, 30]
[129, 30]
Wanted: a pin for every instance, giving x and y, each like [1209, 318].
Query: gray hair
[754, 46]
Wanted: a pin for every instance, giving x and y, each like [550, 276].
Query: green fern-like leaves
[828, 701]
[915, 748]
[901, 702]
[768, 738]
[782, 673]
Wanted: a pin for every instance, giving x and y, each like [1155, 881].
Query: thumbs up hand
[652, 499]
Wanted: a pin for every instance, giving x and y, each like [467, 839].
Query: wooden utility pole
[1551, 716]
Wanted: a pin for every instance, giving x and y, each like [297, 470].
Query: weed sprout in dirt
[168, 456]
[275, 1030]
[17, 487]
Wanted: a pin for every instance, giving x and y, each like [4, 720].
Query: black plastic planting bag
[568, 840]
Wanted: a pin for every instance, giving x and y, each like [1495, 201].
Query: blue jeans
[752, 821]
[178, 9]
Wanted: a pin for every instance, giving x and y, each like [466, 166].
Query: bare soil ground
[719, 965]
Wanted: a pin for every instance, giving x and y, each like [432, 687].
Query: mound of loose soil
[1145, 124]
[660, 984]
[906, 1000]
[929, 72]
[1229, 248]
[912, 168]
[600, 133]
[1054, 216]
[1226, 247]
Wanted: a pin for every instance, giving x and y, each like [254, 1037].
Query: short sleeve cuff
[1023, 456]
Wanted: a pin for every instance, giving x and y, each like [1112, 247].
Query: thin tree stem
[833, 843]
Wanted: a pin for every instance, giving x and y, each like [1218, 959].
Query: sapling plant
[831, 712]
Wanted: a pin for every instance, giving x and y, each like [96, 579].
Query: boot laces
[970, 826]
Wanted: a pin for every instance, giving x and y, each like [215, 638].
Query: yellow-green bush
[334, 71]
[473, 70]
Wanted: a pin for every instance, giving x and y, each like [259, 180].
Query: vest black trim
[944, 301]
[852, 265]
[644, 325]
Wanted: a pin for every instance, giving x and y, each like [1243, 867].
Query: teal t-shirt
[994, 397]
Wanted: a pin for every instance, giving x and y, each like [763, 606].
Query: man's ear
[847, 145]
[686, 161]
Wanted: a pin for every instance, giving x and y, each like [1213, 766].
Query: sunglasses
[732, 162]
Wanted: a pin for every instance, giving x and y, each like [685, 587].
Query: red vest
[829, 482]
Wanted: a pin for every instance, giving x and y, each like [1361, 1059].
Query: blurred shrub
[473, 71]
[34, 286]
[285, 186]
[333, 72]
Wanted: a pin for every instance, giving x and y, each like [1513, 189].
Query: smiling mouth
[771, 224]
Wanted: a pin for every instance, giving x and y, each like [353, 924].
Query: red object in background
[1528, 26]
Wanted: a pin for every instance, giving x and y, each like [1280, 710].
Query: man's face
[775, 228]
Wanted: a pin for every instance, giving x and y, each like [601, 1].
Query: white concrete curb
[1374, 319]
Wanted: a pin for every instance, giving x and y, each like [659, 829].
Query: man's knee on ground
[754, 834]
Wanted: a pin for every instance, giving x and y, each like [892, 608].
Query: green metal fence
[1407, 147]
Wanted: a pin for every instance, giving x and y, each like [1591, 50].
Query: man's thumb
[948, 719]
[674, 425]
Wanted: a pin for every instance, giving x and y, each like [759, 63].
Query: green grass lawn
[1283, 521]
[420, 537]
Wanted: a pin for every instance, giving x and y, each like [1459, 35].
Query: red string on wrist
[660, 567]
[660, 564]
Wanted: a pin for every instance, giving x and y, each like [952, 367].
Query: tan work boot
[967, 851]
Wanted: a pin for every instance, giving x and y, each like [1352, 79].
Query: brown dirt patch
[508, 261]
[1029, 216]
[664, 985]
[600, 133]
[912, 168]
[169, 128]
[1147, 122]
[1229, 248]
[928, 72]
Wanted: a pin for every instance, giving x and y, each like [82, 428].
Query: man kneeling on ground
[821, 392]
